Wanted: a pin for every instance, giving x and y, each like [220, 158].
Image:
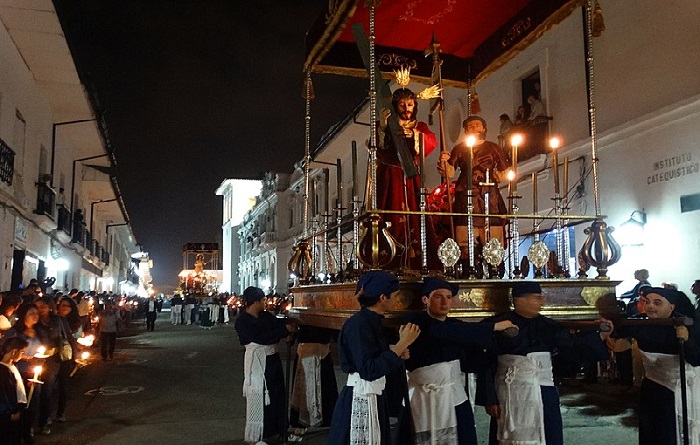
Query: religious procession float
[457, 49]
[203, 277]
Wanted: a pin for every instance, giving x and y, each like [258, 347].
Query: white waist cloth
[255, 388]
[664, 369]
[518, 381]
[306, 394]
[364, 419]
[434, 391]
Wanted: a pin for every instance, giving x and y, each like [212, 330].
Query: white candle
[555, 143]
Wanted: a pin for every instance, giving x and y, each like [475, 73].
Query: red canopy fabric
[473, 34]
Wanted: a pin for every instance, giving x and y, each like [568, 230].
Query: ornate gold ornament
[403, 78]
[494, 252]
[448, 253]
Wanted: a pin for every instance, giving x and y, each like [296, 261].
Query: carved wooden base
[328, 306]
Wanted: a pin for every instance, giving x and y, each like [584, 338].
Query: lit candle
[471, 141]
[510, 176]
[515, 141]
[85, 355]
[37, 371]
[554, 144]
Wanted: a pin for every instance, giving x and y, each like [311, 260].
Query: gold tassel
[598, 24]
[476, 106]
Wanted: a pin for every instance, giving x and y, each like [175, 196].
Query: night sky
[195, 92]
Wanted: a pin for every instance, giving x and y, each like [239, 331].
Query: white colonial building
[239, 197]
[62, 216]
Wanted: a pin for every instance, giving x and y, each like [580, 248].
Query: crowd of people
[44, 338]
[418, 375]
[188, 309]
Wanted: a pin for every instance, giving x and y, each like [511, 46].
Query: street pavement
[182, 385]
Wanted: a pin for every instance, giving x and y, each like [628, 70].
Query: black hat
[676, 298]
[526, 287]
[473, 118]
[376, 283]
[252, 294]
[433, 283]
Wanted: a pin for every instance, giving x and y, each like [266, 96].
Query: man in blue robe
[446, 350]
[263, 386]
[660, 422]
[518, 389]
[361, 415]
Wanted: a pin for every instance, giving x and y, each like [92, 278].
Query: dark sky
[195, 92]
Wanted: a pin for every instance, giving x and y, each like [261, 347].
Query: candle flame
[37, 370]
[471, 140]
[516, 139]
[554, 142]
[510, 175]
[85, 355]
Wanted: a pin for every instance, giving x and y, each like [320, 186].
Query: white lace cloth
[664, 369]
[306, 394]
[518, 381]
[364, 419]
[434, 391]
[255, 388]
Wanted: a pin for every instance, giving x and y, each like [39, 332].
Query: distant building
[239, 197]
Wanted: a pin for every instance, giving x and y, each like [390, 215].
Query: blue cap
[252, 294]
[433, 283]
[376, 283]
[675, 297]
[526, 287]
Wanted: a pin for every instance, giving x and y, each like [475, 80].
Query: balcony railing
[79, 232]
[7, 163]
[268, 237]
[63, 220]
[45, 200]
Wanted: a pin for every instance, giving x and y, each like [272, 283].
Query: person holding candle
[26, 328]
[483, 160]
[50, 323]
[13, 394]
[68, 311]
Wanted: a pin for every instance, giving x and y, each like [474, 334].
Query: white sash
[306, 394]
[255, 388]
[518, 382]
[664, 370]
[364, 420]
[434, 391]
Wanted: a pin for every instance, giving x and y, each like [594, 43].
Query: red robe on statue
[392, 195]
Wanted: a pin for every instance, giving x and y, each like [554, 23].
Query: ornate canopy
[476, 36]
